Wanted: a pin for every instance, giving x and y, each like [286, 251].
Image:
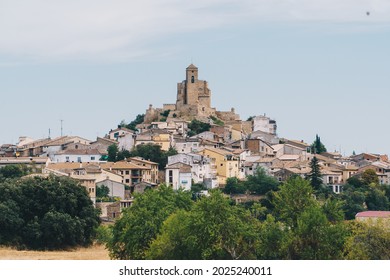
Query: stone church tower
[193, 95]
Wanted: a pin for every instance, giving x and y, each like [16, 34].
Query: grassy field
[96, 252]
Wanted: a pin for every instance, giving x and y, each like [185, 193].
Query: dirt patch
[96, 252]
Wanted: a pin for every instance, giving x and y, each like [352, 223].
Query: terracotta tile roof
[219, 151]
[82, 152]
[183, 168]
[139, 159]
[122, 165]
[23, 160]
[374, 214]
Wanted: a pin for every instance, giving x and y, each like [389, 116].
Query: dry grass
[96, 252]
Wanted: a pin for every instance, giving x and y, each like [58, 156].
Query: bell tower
[192, 74]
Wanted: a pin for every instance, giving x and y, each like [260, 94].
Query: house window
[67, 159]
[127, 172]
[78, 159]
[170, 179]
[92, 158]
[127, 181]
[192, 79]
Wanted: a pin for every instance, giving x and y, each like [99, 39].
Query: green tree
[260, 183]
[153, 153]
[141, 223]
[197, 127]
[333, 210]
[376, 200]
[274, 238]
[317, 147]
[369, 178]
[315, 176]
[112, 151]
[353, 201]
[294, 196]
[234, 186]
[174, 241]
[213, 229]
[315, 238]
[46, 213]
[14, 171]
[368, 242]
[138, 120]
[102, 191]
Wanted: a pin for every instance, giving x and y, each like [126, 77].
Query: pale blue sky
[315, 68]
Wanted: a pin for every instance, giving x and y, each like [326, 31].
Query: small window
[78, 159]
[221, 164]
[192, 79]
[127, 181]
[92, 158]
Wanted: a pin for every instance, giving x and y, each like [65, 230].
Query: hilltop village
[204, 146]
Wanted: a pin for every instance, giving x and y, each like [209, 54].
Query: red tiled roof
[374, 214]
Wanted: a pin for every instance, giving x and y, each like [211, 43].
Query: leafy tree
[197, 127]
[376, 200]
[369, 178]
[315, 176]
[294, 196]
[141, 223]
[274, 238]
[234, 186]
[213, 229]
[260, 183]
[112, 151]
[353, 202]
[317, 147]
[333, 210]
[164, 115]
[368, 242]
[46, 213]
[174, 241]
[102, 191]
[153, 153]
[138, 120]
[355, 183]
[315, 238]
[14, 171]
[122, 155]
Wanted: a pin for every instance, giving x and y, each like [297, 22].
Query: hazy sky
[314, 66]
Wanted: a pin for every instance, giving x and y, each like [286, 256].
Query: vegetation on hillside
[196, 127]
[152, 152]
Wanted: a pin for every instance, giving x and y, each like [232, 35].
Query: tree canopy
[138, 120]
[167, 225]
[46, 213]
[152, 152]
[141, 223]
[259, 183]
[197, 127]
[317, 147]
